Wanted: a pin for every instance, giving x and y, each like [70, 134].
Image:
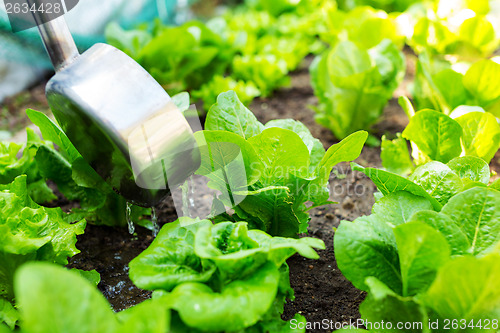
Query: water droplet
[154, 221]
[186, 201]
[191, 193]
[130, 223]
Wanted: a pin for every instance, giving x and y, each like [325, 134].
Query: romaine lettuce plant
[364, 26]
[435, 136]
[465, 28]
[267, 173]
[353, 85]
[180, 58]
[222, 277]
[208, 93]
[246, 50]
[440, 87]
[77, 306]
[427, 238]
[387, 5]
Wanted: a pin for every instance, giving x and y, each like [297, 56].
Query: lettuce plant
[267, 173]
[76, 305]
[267, 71]
[208, 93]
[387, 5]
[440, 87]
[364, 26]
[220, 277]
[180, 58]
[465, 28]
[29, 232]
[247, 50]
[427, 237]
[17, 160]
[435, 136]
[353, 85]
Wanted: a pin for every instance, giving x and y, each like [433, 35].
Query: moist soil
[321, 291]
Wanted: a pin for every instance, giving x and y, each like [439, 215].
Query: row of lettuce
[428, 255]
[359, 60]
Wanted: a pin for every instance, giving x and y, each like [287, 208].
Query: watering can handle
[56, 38]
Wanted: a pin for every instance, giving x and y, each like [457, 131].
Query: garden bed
[321, 291]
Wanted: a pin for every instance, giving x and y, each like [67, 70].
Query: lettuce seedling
[76, 305]
[387, 5]
[267, 71]
[208, 93]
[465, 29]
[17, 160]
[435, 136]
[353, 85]
[441, 87]
[427, 235]
[180, 58]
[220, 277]
[267, 173]
[30, 232]
[364, 26]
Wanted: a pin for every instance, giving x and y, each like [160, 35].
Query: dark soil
[12, 111]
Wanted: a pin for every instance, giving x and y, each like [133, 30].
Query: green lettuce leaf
[453, 296]
[31, 232]
[77, 306]
[237, 251]
[8, 315]
[436, 135]
[12, 166]
[201, 307]
[384, 304]
[476, 210]
[471, 168]
[395, 156]
[422, 251]
[170, 260]
[229, 114]
[368, 246]
[481, 134]
[387, 183]
[437, 179]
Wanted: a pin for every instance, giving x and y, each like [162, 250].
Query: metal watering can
[117, 116]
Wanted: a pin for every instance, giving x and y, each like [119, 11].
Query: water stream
[130, 223]
[187, 190]
[154, 221]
